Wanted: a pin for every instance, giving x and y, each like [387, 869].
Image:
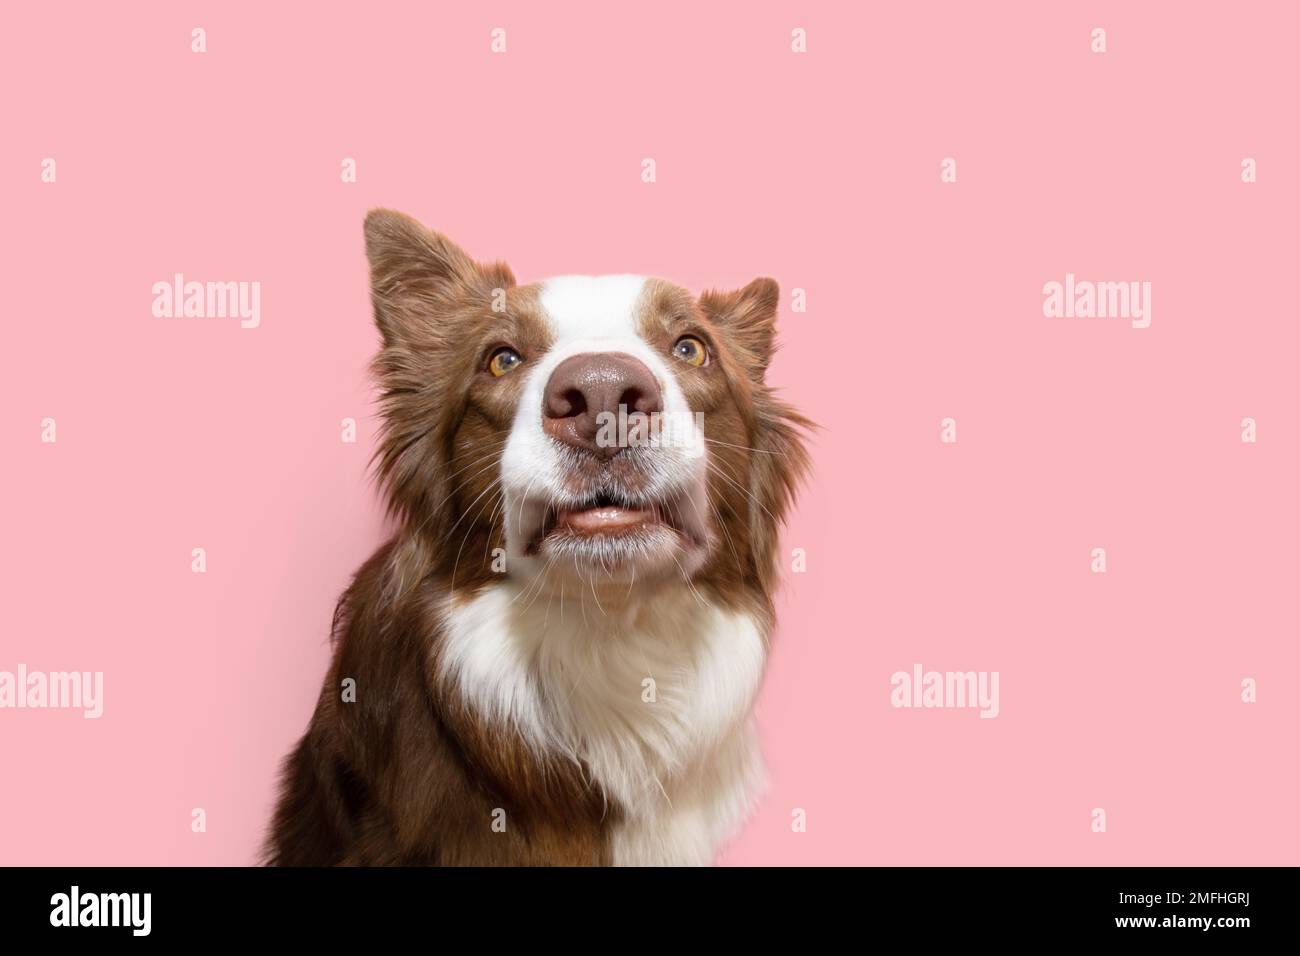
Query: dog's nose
[585, 390]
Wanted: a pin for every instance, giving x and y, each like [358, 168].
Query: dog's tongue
[602, 518]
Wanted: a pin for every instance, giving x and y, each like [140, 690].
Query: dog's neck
[639, 692]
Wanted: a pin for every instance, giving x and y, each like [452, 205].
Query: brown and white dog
[555, 659]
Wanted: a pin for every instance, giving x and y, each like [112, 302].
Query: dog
[555, 659]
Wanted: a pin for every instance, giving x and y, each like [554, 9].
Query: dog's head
[611, 430]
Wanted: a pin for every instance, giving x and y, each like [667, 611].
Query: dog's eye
[503, 360]
[691, 350]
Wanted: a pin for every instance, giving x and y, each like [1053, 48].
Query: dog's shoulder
[395, 769]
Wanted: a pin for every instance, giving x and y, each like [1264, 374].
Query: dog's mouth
[604, 514]
[609, 515]
[609, 522]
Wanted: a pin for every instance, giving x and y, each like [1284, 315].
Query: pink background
[1118, 691]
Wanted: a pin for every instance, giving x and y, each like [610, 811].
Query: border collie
[555, 659]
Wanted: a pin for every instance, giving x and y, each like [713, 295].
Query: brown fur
[406, 774]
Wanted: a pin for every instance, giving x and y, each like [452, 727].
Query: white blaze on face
[586, 314]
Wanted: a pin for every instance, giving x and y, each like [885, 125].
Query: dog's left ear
[749, 317]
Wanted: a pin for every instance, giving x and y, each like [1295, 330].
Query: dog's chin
[615, 540]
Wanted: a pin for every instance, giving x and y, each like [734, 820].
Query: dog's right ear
[418, 276]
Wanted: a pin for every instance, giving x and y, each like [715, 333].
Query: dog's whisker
[468, 531]
[761, 451]
[744, 491]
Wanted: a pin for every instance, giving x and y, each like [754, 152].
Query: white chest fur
[654, 698]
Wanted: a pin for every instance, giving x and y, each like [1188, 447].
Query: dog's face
[604, 472]
[601, 433]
